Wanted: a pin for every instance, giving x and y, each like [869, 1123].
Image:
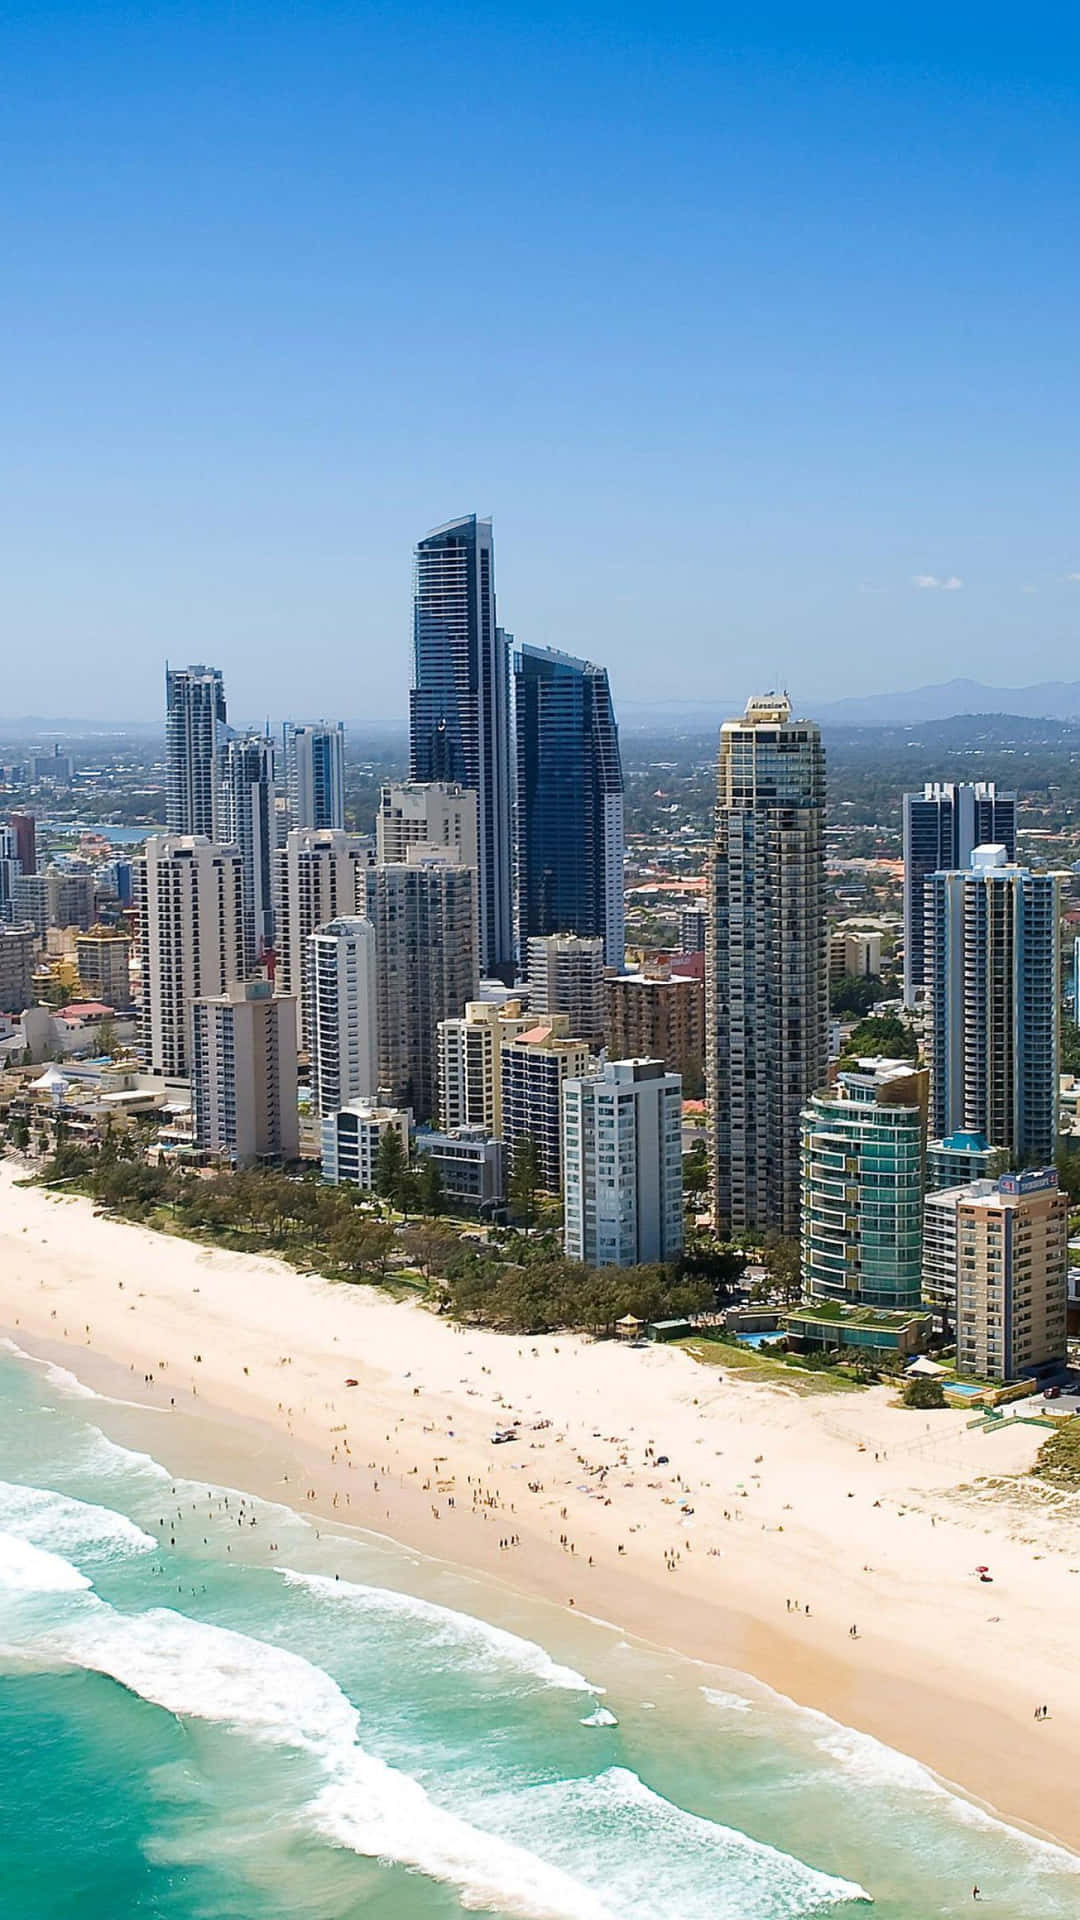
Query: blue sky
[741, 323]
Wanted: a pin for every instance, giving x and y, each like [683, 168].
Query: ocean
[211, 1709]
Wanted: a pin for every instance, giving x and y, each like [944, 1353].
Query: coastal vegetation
[1058, 1461]
[514, 1281]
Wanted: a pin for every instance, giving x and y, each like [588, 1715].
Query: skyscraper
[318, 877]
[315, 774]
[766, 1042]
[191, 939]
[248, 820]
[992, 1033]
[24, 828]
[339, 1015]
[424, 915]
[10, 871]
[622, 1164]
[194, 725]
[942, 827]
[570, 842]
[863, 1145]
[459, 708]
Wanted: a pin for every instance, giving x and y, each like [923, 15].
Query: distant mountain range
[1049, 699]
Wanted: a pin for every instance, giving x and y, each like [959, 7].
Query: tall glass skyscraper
[249, 821]
[942, 827]
[862, 1195]
[194, 729]
[569, 801]
[766, 1038]
[459, 707]
[992, 973]
[315, 774]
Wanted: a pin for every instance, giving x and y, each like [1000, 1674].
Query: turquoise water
[760, 1339]
[202, 1718]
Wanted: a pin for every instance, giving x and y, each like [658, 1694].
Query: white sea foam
[104, 1459]
[870, 1763]
[54, 1520]
[29, 1569]
[57, 1376]
[211, 1673]
[469, 1639]
[729, 1702]
[652, 1859]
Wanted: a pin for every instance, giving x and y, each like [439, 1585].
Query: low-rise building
[350, 1141]
[471, 1164]
[962, 1158]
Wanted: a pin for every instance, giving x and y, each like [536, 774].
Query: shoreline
[943, 1669]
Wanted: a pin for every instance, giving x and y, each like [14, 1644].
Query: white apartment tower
[339, 1013]
[766, 1028]
[319, 877]
[315, 774]
[190, 897]
[622, 1165]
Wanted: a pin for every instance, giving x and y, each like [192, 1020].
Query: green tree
[524, 1184]
[1070, 1045]
[885, 1036]
[854, 994]
[780, 1257]
[362, 1246]
[390, 1165]
[923, 1392]
[107, 1039]
[432, 1190]
[695, 1176]
[430, 1248]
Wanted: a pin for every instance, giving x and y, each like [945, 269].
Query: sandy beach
[775, 1525]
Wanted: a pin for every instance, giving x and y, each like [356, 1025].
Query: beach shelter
[629, 1327]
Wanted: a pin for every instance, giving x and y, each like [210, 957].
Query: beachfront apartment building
[863, 1145]
[350, 1141]
[534, 1068]
[766, 995]
[622, 1164]
[996, 1270]
[243, 1074]
[190, 902]
[470, 1063]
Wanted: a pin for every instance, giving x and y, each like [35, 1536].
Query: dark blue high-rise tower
[459, 707]
[569, 801]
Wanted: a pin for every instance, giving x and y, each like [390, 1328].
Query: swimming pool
[758, 1339]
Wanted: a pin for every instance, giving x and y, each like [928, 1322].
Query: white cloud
[1072, 576]
[949, 585]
